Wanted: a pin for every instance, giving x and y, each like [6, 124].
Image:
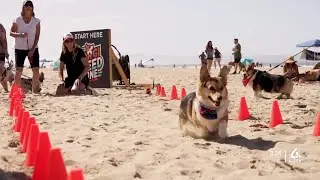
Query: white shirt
[27, 42]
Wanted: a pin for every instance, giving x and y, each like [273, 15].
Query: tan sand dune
[126, 135]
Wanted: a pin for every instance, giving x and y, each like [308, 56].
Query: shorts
[209, 58]
[68, 82]
[203, 61]
[2, 57]
[237, 60]
[20, 57]
[217, 59]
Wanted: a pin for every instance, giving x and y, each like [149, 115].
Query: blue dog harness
[208, 113]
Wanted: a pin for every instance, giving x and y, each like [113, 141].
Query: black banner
[96, 44]
[310, 55]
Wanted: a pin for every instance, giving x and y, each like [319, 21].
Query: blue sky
[176, 28]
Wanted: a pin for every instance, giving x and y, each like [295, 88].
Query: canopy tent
[150, 60]
[311, 43]
[310, 55]
[307, 54]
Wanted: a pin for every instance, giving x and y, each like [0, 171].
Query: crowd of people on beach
[26, 30]
[290, 68]
[213, 56]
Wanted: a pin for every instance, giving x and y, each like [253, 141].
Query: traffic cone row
[174, 94]
[47, 161]
[275, 116]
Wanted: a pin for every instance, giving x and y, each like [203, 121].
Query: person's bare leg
[219, 64]
[61, 90]
[17, 77]
[35, 80]
[235, 68]
[4, 79]
[215, 64]
[5, 85]
[209, 64]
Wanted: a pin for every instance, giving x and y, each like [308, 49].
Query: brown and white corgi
[204, 113]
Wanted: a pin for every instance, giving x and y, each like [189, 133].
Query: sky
[176, 30]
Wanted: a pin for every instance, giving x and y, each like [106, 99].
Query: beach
[124, 134]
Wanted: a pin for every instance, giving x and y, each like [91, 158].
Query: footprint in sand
[13, 143]
[202, 146]
[70, 162]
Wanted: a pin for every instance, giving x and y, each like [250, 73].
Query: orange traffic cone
[243, 110]
[30, 121]
[276, 117]
[11, 108]
[32, 145]
[316, 131]
[183, 93]
[13, 90]
[57, 168]
[163, 92]
[158, 90]
[19, 120]
[25, 119]
[174, 94]
[76, 174]
[41, 167]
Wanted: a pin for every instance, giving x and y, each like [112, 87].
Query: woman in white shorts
[217, 58]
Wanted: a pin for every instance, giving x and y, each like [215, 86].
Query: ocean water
[194, 61]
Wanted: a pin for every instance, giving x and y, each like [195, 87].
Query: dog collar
[245, 81]
[208, 113]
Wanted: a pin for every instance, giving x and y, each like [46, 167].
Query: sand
[126, 135]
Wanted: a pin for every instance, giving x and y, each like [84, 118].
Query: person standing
[237, 55]
[209, 51]
[217, 58]
[26, 31]
[3, 55]
[202, 57]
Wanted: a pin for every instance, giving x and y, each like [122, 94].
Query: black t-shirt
[217, 54]
[73, 63]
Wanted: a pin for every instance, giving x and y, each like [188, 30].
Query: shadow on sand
[13, 175]
[252, 144]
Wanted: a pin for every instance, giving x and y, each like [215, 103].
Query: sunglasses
[68, 40]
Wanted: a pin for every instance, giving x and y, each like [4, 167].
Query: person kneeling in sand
[77, 65]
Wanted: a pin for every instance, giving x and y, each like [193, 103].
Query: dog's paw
[222, 131]
[222, 140]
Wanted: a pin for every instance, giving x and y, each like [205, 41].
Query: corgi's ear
[204, 74]
[224, 74]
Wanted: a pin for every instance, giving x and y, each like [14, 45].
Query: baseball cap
[28, 2]
[67, 36]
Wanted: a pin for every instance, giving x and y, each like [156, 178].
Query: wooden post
[119, 68]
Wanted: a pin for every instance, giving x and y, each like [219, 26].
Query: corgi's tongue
[245, 81]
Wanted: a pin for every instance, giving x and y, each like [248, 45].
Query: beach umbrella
[246, 61]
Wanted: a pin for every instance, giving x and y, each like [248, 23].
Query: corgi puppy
[204, 113]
